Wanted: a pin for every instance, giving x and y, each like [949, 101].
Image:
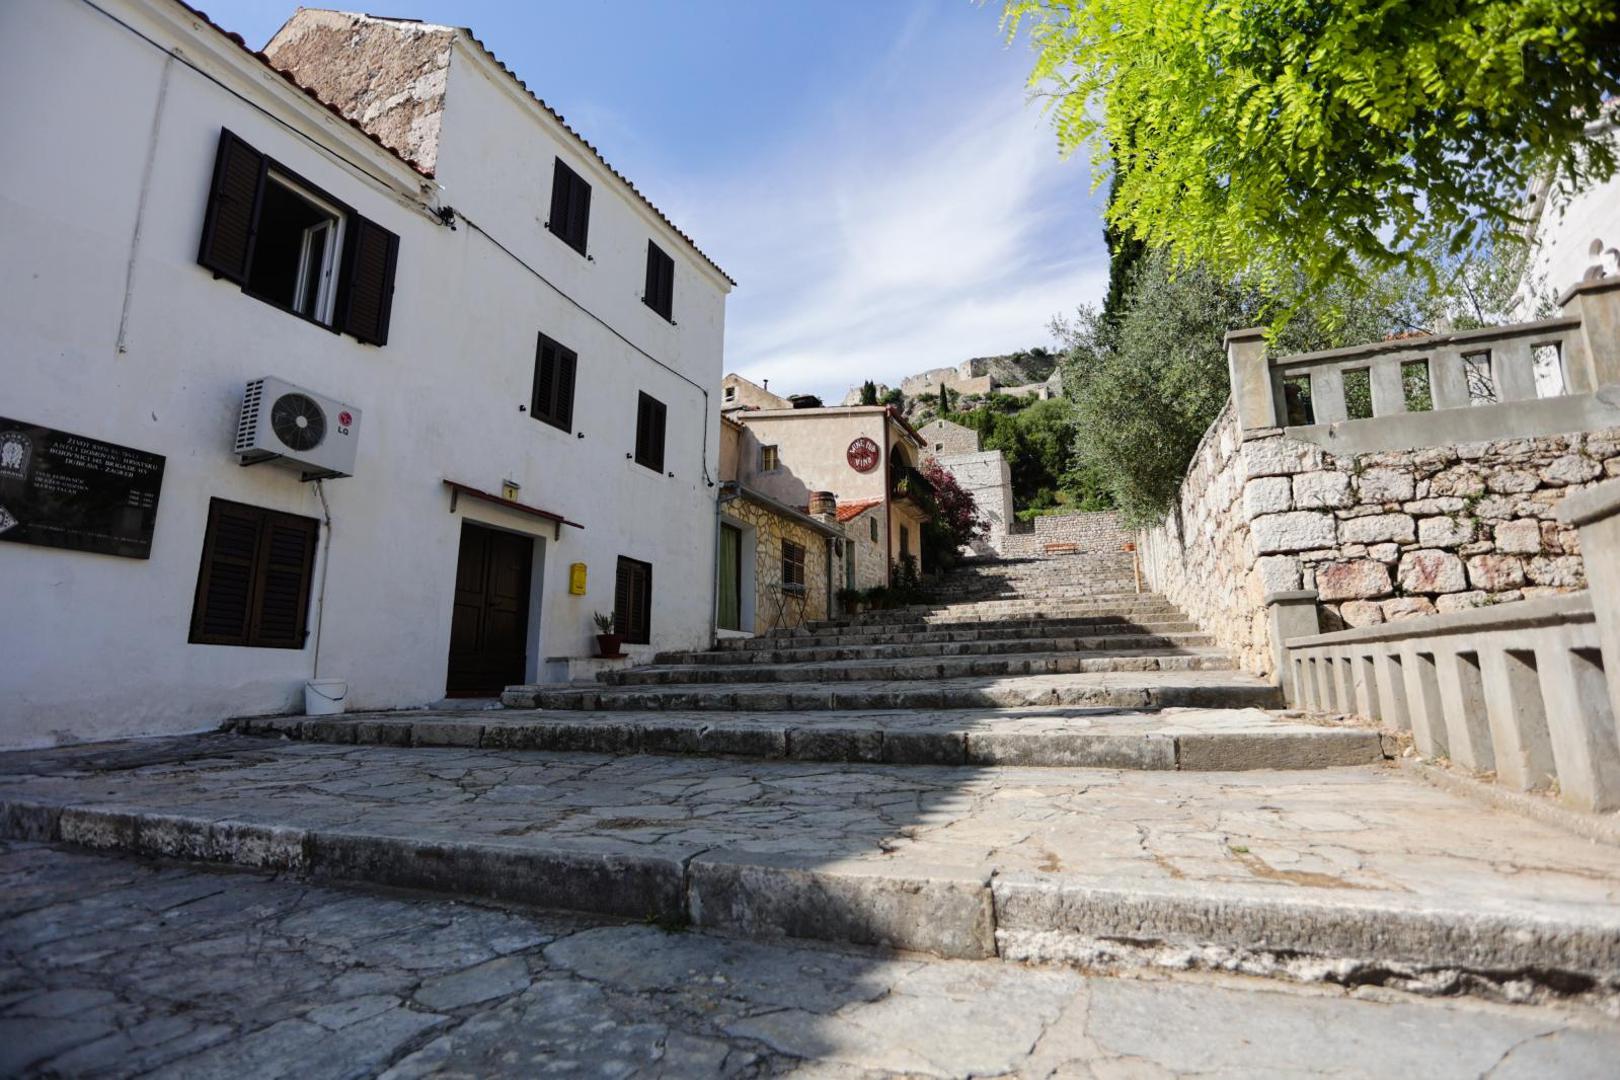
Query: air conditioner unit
[288, 425]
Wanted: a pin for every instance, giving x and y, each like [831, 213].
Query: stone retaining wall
[1098, 530]
[1200, 558]
[1381, 536]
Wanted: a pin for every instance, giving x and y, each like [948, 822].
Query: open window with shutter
[570, 207]
[632, 601]
[553, 400]
[659, 293]
[650, 413]
[286, 242]
[253, 585]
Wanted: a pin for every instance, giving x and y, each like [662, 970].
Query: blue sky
[870, 171]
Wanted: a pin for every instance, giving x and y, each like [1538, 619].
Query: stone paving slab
[1147, 688]
[908, 856]
[1202, 739]
[118, 967]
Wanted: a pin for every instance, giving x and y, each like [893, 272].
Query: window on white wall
[288, 243]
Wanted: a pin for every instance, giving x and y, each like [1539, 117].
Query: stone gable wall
[1381, 536]
[1099, 530]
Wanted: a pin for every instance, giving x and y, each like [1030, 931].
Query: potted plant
[849, 600]
[607, 642]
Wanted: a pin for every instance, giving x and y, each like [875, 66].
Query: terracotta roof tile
[849, 511]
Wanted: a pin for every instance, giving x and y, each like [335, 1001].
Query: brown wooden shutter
[632, 601]
[233, 208]
[570, 207]
[567, 361]
[285, 571]
[650, 414]
[544, 403]
[659, 292]
[370, 254]
[225, 584]
[561, 175]
[254, 583]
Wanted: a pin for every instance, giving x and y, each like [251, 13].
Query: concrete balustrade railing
[1487, 382]
[1527, 690]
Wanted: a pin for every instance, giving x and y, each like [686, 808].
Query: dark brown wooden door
[489, 629]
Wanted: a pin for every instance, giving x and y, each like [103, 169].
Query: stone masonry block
[1407, 607]
[1361, 613]
[1386, 485]
[1571, 469]
[1519, 537]
[1378, 529]
[1267, 495]
[1445, 532]
[1429, 571]
[1562, 571]
[1359, 579]
[1321, 490]
[1494, 573]
[1299, 530]
[1279, 457]
[1460, 601]
[1512, 481]
[1278, 573]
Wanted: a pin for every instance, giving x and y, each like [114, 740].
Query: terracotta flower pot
[607, 645]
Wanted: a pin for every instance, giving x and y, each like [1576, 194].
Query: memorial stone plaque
[63, 490]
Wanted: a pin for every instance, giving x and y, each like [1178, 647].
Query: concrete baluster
[1365, 672]
[1596, 512]
[1462, 699]
[1448, 380]
[1392, 707]
[1388, 397]
[1518, 718]
[1580, 724]
[1513, 369]
[1423, 696]
[1327, 395]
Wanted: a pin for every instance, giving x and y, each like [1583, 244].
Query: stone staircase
[1040, 763]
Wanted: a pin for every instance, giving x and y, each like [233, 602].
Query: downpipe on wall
[323, 696]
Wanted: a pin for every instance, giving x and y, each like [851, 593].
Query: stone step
[1114, 689]
[989, 633]
[978, 614]
[1188, 739]
[918, 621]
[1352, 876]
[887, 668]
[787, 653]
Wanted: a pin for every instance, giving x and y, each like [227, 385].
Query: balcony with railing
[908, 483]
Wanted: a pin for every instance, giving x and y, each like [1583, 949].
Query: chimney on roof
[824, 507]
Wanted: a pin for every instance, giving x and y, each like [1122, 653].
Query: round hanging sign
[863, 454]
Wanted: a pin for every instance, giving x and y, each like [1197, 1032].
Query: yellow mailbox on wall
[576, 579]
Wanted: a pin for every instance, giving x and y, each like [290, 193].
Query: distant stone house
[984, 474]
[777, 566]
[864, 454]
[1571, 233]
[737, 392]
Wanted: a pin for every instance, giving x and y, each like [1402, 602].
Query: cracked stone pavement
[126, 967]
[1353, 833]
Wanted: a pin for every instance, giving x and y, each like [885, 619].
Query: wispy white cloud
[892, 240]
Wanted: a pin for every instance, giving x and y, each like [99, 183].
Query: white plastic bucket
[324, 697]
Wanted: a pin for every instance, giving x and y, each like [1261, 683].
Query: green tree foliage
[893, 396]
[956, 522]
[944, 401]
[1324, 137]
[1145, 387]
[1037, 438]
[869, 395]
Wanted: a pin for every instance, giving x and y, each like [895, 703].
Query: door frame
[534, 633]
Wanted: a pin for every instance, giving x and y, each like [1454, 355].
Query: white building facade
[522, 399]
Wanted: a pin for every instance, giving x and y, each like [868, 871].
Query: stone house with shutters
[490, 361]
[859, 454]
